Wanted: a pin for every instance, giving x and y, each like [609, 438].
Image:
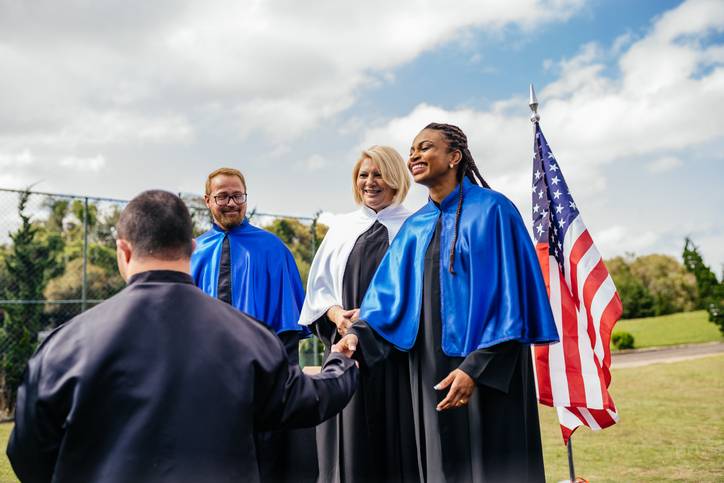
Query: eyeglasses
[223, 198]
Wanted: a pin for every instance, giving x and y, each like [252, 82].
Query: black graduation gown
[496, 437]
[162, 383]
[282, 455]
[359, 445]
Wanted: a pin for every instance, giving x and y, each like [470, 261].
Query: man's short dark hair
[157, 224]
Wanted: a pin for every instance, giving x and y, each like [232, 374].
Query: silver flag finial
[533, 103]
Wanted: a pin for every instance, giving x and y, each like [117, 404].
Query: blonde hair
[392, 168]
[226, 172]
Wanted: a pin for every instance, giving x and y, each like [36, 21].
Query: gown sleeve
[371, 347]
[288, 398]
[290, 339]
[492, 366]
[44, 400]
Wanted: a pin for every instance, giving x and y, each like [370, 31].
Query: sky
[111, 98]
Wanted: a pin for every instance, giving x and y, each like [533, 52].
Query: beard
[229, 219]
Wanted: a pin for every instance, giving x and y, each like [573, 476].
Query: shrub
[622, 340]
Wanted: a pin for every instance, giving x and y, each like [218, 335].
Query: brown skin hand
[461, 389]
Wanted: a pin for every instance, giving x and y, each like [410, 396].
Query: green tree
[652, 285]
[302, 240]
[635, 297]
[30, 263]
[200, 215]
[671, 286]
[101, 284]
[711, 290]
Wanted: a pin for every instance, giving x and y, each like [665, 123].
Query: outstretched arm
[296, 400]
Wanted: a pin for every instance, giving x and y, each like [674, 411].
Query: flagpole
[571, 470]
[533, 103]
[534, 118]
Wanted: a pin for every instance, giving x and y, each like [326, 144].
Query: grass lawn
[674, 329]
[6, 472]
[671, 428]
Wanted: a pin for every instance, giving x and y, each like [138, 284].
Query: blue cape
[265, 281]
[497, 293]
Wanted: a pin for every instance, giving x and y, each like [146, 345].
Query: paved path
[644, 357]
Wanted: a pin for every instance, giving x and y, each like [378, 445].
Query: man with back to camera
[161, 382]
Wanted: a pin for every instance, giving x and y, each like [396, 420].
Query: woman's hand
[342, 318]
[461, 388]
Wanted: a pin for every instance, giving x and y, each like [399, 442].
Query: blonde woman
[357, 445]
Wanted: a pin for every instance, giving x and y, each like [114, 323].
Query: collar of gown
[450, 202]
[163, 276]
[392, 211]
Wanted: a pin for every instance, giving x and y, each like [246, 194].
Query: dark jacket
[163, 383]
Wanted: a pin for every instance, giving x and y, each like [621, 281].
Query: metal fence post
[84, 287]
[315, 340]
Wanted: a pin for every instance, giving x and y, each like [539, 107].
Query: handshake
[344, 319]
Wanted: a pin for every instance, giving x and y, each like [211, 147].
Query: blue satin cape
[265, 281]
[497, 293]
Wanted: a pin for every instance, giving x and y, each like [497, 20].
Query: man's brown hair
[224, 171]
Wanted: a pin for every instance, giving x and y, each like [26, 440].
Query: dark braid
[457, 140]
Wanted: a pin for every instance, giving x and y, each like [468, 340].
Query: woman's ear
[455, 158]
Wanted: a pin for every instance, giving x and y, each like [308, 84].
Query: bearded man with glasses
[252, 270]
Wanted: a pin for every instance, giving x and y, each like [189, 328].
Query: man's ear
[207, 200]
[193, 244]
[124, 250]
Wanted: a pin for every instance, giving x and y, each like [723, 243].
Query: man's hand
[346, 346]
[461, 388]
[342, 318]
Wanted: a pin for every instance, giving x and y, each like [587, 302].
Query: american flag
[572, 375]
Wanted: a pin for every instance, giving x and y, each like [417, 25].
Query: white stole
[324, 285]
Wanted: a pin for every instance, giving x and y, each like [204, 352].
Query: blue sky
[111, 99]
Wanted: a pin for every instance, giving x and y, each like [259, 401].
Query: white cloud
[314, 162]
[661, 165]
[620, 239]
[18, 159]
[95, 163]
[161, 69]
[665, 104]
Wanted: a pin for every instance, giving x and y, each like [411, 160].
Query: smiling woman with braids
[460, 292]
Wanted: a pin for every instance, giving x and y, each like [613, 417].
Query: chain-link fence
[58, 258]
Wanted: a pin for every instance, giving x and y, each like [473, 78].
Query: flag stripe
[557, 360]
[574, 232]
[599, 302]
[541, 353]
[581, 260]
[610, 315]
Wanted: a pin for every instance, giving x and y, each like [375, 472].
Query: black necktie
[224, 287]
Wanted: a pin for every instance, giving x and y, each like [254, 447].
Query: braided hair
[456, 140]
